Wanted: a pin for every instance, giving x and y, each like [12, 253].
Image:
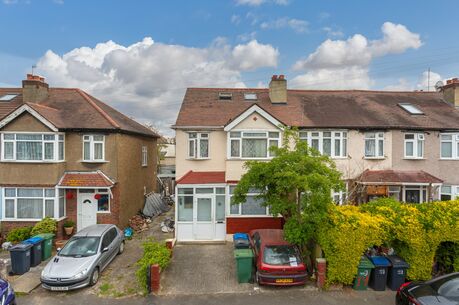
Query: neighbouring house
[166, 164]
[399, 144]
[67, 155]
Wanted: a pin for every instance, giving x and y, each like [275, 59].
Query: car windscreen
[448, 286]
[80, 247]
[281, 255]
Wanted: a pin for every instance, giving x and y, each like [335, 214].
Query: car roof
[94, 230]
[271, 236]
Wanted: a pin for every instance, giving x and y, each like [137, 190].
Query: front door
[87, 210]
[204, 226]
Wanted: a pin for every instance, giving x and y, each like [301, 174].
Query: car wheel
[121, 248]
[94, 277]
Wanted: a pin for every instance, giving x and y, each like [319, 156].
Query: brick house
[399, 144]
[67, 155]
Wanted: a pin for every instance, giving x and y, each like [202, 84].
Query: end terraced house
[399, 144]
[65, 154]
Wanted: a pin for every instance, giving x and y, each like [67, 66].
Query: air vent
[225, 96]
[410, 108]
[7, 97]
[250, 96]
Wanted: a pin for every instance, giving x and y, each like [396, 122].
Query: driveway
[202, 269]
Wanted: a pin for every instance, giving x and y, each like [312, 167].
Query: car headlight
[43, 275]
[80, 274]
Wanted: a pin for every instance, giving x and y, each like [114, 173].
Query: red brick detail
[321, 271]
[155, 278]
[246, 224]
[202, 178]
[96, 179]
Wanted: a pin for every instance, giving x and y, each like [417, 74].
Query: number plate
[59, 288]
[284, 280]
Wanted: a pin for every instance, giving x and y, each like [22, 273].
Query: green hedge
[46, 225]
[153, 253]
[415, 231]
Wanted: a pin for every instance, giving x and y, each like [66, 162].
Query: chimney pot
[274, 77]
[281, 76]
[34, 89]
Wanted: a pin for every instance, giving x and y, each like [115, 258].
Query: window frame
[242, 135]
[378, 137]
[454, 145]
[315, 134]
[92, 144]
[56, 198]
[59, 137]
[417, 137]
[144, 156]
[239, 214]
[107, 193]
[197, 154]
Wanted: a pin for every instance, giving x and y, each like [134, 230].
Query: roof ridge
[314, 90]
[98, 109]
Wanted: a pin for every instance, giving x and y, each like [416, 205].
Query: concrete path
[30, 280]
[202, 269]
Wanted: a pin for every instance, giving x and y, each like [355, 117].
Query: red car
[277, 262]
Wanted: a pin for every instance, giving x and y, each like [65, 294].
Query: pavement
[30, 280]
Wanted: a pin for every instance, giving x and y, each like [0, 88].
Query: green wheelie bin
[244, 264]
[47, 245]
[363, 274]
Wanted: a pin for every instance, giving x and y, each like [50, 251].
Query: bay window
[252, 205]
[32, 147]
[33, 203]
[449, 146]
[198, 145]
[374, 145]
[329, 143]
[93, 148]
[414, 145]
[253, 144]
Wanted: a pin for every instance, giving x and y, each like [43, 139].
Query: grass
[105, 288]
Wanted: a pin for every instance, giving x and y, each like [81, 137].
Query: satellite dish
[438, 85]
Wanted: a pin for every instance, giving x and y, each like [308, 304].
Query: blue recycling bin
[35, 251]
[241, 241]
[378, 277]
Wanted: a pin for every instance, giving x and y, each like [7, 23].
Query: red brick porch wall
[246, 224]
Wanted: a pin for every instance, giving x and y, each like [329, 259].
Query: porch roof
[388, 177]
[202, 178]
[95, 179]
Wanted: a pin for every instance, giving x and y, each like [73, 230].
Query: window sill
[94, 161]
[414, 159]
[374, 158]
[250, 216]
[29, 220]
[247, 159]
[448, 159]
[103, 212]
[197, 159]
[339, 158]
[32, 162]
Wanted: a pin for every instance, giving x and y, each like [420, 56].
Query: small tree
[296, 184]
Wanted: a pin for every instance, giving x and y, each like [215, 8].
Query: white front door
[203, 220]
[86, 210]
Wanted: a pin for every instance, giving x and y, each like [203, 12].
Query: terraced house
[399, 144]
[65, 154]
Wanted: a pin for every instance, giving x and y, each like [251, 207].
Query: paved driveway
[202, 269]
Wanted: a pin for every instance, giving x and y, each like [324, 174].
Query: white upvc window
[449, 192]
[198, 145]
[252, 144]
[144, 156]
[251, 207]
[93, 148]
[31, 204]
[374, 145]
[329, 143]
[414, 145]
[449, 146]
[32, 147]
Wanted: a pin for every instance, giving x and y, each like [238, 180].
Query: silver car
[84, 256]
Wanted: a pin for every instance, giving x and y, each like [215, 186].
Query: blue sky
[372, 45]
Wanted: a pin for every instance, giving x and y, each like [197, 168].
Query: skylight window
[250, 96]
[7, 97]
[410, 108]
[225, 96]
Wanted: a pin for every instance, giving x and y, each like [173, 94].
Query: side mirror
[105, 249]
[58, 250]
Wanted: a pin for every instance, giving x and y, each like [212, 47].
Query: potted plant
[68, 226]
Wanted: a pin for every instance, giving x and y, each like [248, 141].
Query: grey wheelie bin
[397, 273]
[20, 258]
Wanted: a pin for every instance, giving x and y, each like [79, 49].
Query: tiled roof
[85, 179]
[393, 176]
[75, 109]
[353, 109]
[202, 178]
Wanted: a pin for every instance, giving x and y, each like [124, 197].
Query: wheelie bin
[244, 264]
[35, 252]
[363, 274]
[47, 246]
[20, 258]
[378, 277]
[241, 241]
[397, 273]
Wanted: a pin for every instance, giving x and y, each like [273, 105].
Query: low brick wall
[10, 225]
[246, 224]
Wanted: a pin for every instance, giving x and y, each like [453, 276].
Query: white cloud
[260, 2]
[247, 36]
[427, 82]
[402, 85]
[147, 80]
[331, 32]
[235, 19]
[299, 26]
[351, 58]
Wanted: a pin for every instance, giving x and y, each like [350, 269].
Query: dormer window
[250, 96]
[7, 97]
[225, 96]
[410, 108]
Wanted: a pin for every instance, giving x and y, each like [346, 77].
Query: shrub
[18, 234]
[69, 224]
[153, 253]
[47, 225]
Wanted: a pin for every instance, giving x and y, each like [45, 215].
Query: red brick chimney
[34, 89]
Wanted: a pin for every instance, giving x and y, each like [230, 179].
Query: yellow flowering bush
[415, 231]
